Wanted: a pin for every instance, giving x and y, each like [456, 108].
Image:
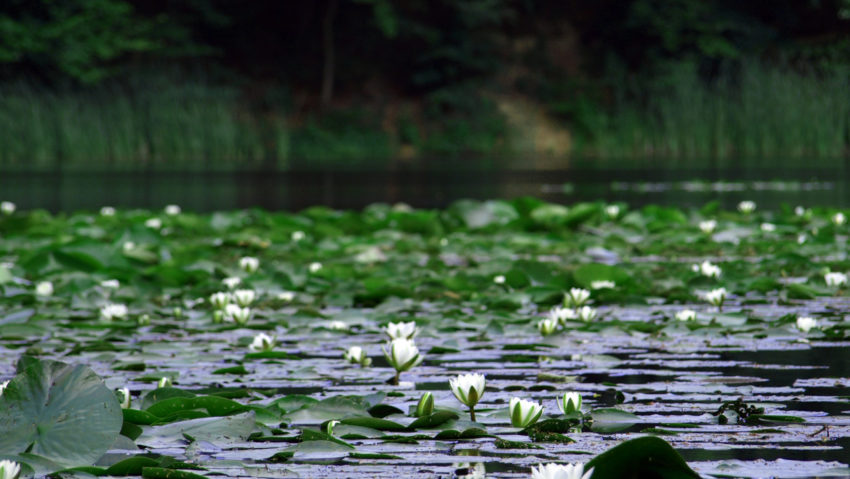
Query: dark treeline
[419, 77]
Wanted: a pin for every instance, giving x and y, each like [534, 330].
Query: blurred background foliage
[266, 84]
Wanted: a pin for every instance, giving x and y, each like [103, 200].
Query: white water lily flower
[499, 279]
[708, 269]
[612, 211]
[172, 210]
[220, 300]
[468, 388]
[586, 313]
[164, 382]
[107, 211]
[708, 226]
[768, 227]
[402, 354]
[746, 206]
[3, 386]
[524, 412]
[835, 279]
[9, 469]
[686, 315]
[576, 297]
[838, 219]
[232, 282]
[562, 315]
[124, 397]
[154, 223]
[7, 207]
[547, 326]
[262, 342]
[233, 313]
[372, 254]
[801, 238]
[357, 355]
[110, 284]
[298, 236]
[337, 325]
[716, 296]
[602, 284]
[128, 246]
[805, 323]
[570, 402]
[560, 471]
[287, 296]
[249, 264]
[108, 312]
[44, 288]
[402, 330]
[244, 297]
[800, 211]
[315, 267]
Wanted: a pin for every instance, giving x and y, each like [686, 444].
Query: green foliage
[638, 458]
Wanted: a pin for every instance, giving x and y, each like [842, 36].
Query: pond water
[209, 191]
[476, 278]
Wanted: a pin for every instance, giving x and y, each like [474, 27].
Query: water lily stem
[472, 413]
[396, 378]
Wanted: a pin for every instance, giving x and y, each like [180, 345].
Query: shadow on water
[295, 190]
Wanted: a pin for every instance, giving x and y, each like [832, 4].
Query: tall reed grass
[759, 116]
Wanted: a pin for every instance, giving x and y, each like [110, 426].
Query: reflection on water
[206, 191]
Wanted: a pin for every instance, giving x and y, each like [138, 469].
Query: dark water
[295, 190]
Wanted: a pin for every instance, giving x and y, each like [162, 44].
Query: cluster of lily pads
[127, 294]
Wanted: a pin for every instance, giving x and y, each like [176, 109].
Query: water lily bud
[44, 288]
[499, 279]
[108, 312]
[560, 471]
[338, 325]
[746, 206]
[838, 219]
[7, 207]
[576, 297]
[357, 355]
[298, 236]
[3, 385]
[262, 342]
[799, 211]
[425, 406]
[286, 296]
[707, 226]
[315, 267]
[232, 282]
[523, 412]
[244, 297]
[716, 296]
[768, 227]
[107, 211]
[177, 312]
[234, 313]
[249, 264]
[123, 397]
[110, 284]
[805, 323]
[219, 300]
[547, 326]
[164, 382]
[612, 211]
[9, 469]
[586, 313]
[570, 402]
[172, 210]
[835, 279]
[402, 330]
[468, 388]
[144, 320]
[402, 354]
[128, 246]
[218, 316]
[329, 427]
[686, 315]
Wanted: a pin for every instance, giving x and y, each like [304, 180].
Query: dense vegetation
[302, 83]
